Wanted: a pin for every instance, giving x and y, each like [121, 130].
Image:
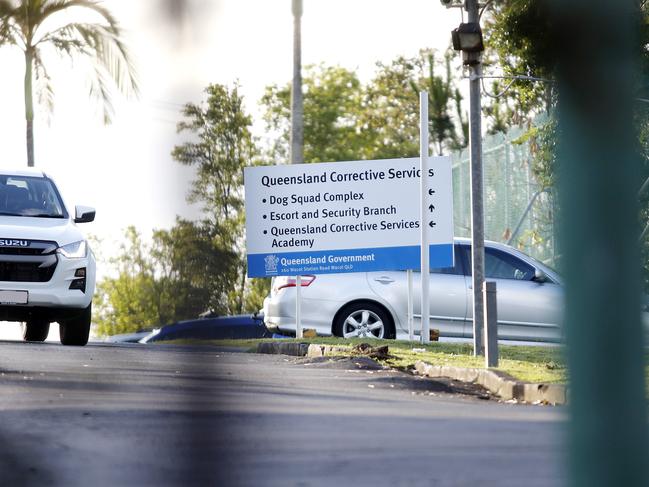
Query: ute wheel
[363, 320]
[36, 330]
[75, 331]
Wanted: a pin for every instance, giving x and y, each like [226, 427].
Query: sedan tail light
[282, 282]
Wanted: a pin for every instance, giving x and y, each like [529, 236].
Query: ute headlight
[76, 250]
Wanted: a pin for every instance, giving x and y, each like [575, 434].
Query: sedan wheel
[363, 321]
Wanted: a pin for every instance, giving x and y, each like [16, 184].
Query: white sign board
[345, 217]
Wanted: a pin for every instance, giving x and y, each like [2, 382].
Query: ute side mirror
[540, 276]
[84, 214]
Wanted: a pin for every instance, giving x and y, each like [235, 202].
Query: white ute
[47, 270]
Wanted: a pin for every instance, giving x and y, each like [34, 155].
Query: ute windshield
[30, 196]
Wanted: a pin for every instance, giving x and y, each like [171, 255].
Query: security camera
[452, 3]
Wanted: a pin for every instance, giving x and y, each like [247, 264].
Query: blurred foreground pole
[598, 183]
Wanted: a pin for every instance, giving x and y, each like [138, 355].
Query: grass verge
[529, 364]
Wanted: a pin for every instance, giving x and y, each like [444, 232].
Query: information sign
[346, 217]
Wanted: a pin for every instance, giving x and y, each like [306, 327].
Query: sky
[125, 169]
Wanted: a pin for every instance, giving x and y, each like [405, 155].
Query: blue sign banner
[343, 261]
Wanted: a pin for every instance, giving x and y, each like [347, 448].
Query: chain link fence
[518, 211]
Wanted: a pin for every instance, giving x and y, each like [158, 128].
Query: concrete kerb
[498, 383]
[300, 349]
[282, 348]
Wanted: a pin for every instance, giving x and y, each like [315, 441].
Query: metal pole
[297, 131]
[477, 199]
[423, 217]
[298, 307]
[297, 103]
[411, 328]
[598, 176]
[491, 324]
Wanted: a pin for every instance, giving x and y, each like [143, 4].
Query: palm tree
[32, 26]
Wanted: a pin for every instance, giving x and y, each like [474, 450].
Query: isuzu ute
[47, 269]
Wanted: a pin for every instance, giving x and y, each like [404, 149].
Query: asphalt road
[164, 415]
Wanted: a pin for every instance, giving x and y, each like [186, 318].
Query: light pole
[297, 104]
[297, 132]
[468, 39]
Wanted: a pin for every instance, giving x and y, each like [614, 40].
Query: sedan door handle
[384, 280]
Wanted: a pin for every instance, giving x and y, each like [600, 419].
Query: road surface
[168, 415]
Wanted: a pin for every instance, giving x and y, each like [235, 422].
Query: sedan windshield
[29, 196]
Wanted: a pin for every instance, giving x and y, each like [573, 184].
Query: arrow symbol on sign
[431, 207]
[432, 224]
[431, 192]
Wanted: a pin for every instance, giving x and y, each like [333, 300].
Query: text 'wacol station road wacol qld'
[346, 216]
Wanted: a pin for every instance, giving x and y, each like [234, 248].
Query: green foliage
[255, 293]
[222, 145]
[392, 106]
[542, 140]
[391, 112]
[520, 42]
[194, 266]
[179, 274]
[346, 120]
[519, 33]
[442, 96]
[332, 98]
[522, 35]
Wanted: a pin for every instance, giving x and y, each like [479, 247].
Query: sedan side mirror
[540, 276]
[84, 214]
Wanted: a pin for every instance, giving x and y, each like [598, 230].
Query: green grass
[530, 364]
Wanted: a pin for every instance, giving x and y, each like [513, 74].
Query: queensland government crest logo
[270, 262]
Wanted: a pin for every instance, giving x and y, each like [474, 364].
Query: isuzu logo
[4, 242]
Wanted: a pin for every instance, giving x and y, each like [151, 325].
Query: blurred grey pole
[297, 106]
[598, 179]
[477, 201]
[297, 132]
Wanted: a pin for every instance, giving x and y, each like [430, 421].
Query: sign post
[423, 217]
[298, 306]
[411, 326]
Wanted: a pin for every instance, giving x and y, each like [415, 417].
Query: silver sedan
[374, 304]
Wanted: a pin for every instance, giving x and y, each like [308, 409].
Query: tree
[181, 273]
[222, 146]
[346, 120]
[332, 98]
[523, 35]
[26, 25]
[395, 92]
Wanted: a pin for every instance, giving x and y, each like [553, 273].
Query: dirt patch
[385, 378]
